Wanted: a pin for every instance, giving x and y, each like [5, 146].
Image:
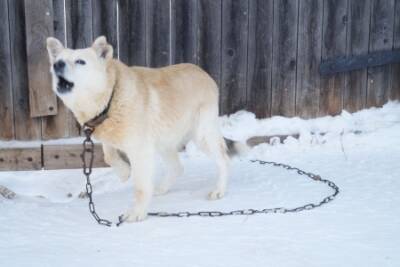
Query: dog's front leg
[142, 167]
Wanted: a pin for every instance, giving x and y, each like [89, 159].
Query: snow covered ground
[43, 226]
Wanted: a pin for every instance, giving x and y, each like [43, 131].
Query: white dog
[140, 111]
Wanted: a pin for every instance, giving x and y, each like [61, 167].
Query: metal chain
[88, 155]
[87, 159]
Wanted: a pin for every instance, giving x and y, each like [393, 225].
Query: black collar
[101, 117]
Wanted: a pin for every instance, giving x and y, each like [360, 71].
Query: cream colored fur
[153, 111]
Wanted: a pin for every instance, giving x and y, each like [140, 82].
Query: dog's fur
[152, 111]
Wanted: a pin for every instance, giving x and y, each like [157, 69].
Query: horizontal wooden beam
[344, 64]
[47, 157]
[20, 159]
[69, 157]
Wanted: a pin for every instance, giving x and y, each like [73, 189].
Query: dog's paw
[123, 174]
[83, 195]
[134, 216]
[161, 190]
[216, 194]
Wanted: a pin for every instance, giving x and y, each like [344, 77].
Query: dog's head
[80, 73]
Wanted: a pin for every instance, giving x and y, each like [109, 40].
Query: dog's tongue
[63, 85]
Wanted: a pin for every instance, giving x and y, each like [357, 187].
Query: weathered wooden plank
[132, 32]
[39, 26]
[209, 37]
[284, 57]
[308, 58]
[26, 128]
[105, 21]
[79, 23]
[381, 38]
[184, 27]
[333, 45]
[69, 157]
[6, 101]
[158, 33]
[259, 73]
[233, 91]
[20, 159]
[395, 75]
[355, 90]
[63, 124]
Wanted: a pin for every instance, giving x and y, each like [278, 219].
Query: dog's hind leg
[174, 169]
[209, 139]
[117, 162]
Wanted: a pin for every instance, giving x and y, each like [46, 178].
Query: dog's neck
[92, 108]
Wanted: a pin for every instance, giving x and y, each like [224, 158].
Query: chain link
[88, 156]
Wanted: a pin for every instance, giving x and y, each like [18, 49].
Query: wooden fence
[264, 54]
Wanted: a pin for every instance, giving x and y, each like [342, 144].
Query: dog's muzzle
[63, 85]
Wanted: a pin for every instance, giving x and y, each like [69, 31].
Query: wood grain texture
[308, 58]
[184, 26]
[20, 159]
[69, 157]
[26, 128]
[259, 69]
[333, 45]
[233, 91]
[284, 57]
[39, 26]
[6, 100]
[209, 37]
[394, 93]
[157, 33]
[63, 124]
[355, 90]
[132, 32]
[79, 23]
[105, 21]
[381, 38]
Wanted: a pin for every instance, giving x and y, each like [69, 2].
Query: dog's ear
[102, 48]
[54, 47]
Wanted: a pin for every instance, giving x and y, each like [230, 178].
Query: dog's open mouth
[64, 86]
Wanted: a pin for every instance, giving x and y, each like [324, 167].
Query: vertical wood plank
[333, 45]
[105, 21]
[79, 23]
[395, 75]
[158, 33]
[309, 58]
[284, 57]
[235, 19]
[26, 128]
[132, 32]
[381, 38]
[184, 31]
[259, 74]
[209, 37]
[63, 124]
[39, 26]
[6, 100]
[355, 91]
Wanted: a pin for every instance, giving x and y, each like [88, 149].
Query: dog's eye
[80, 62]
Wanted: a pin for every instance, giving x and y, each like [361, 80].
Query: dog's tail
[236, 148]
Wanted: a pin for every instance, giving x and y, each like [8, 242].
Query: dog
[144, 111]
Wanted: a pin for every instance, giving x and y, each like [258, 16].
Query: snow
[360, 152]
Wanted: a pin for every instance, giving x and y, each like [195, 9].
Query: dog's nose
[59, 66]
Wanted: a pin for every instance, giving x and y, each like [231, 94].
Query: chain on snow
[88, 156]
